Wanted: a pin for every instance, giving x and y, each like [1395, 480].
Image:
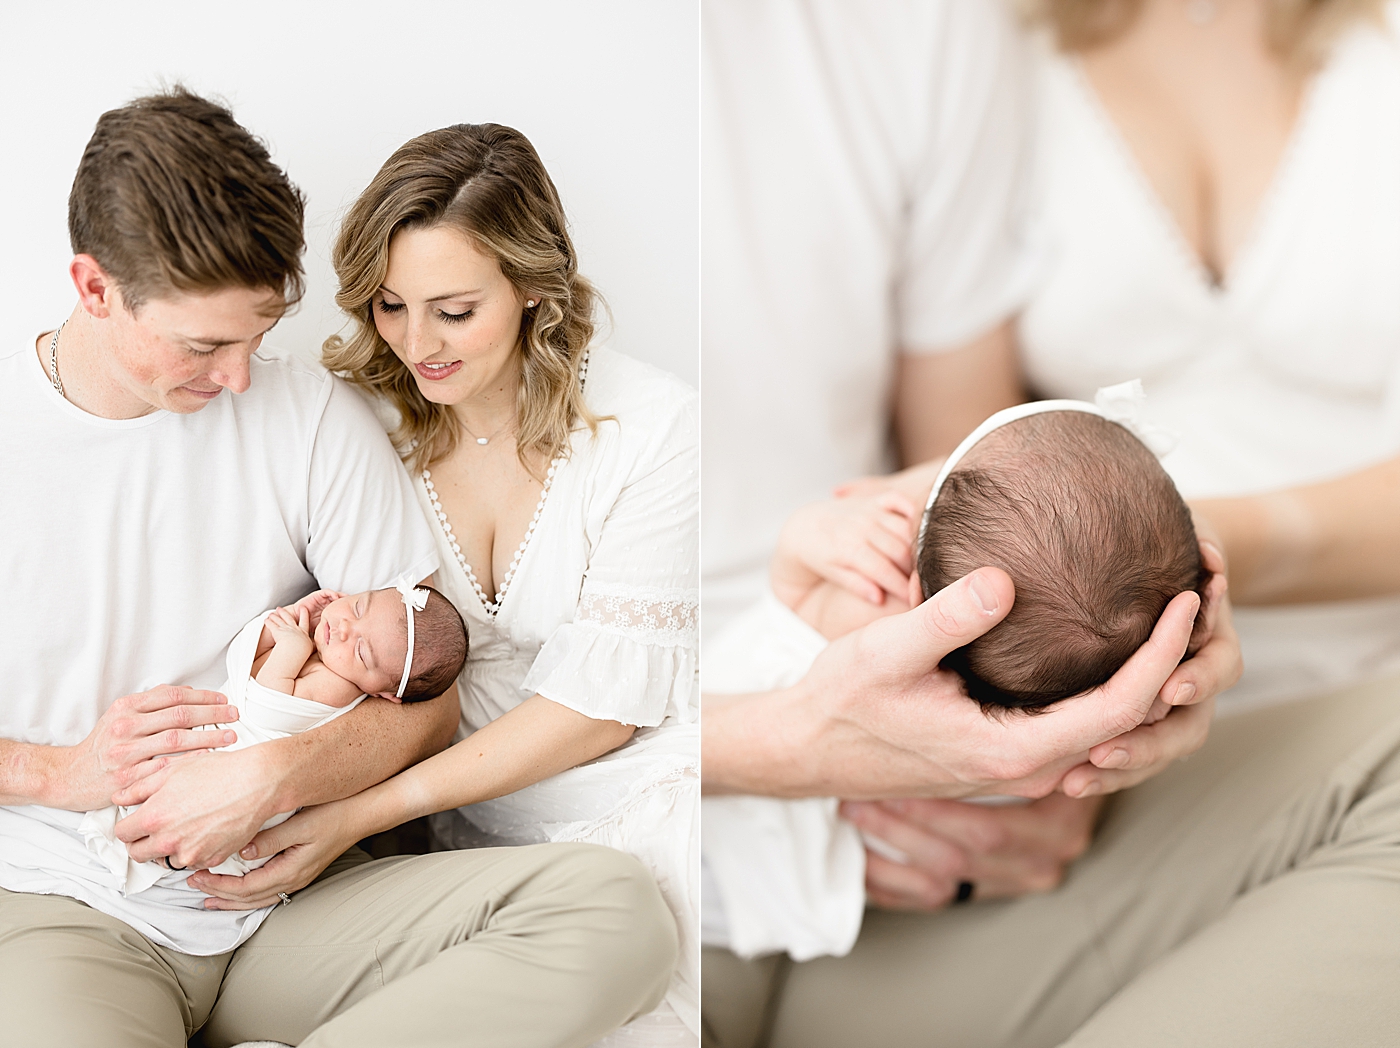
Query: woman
[561, 483]
[1219, 194]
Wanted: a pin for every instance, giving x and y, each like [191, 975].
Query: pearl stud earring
[530, 303]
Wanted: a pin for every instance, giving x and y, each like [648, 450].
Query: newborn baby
[405, 645]
[1090, 528]
[1064, 496]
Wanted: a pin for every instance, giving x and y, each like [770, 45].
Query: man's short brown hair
[173, 194]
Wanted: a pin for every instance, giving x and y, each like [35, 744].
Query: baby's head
[364, 638]
[1094, 536]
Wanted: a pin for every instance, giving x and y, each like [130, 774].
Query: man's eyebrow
[219, 343]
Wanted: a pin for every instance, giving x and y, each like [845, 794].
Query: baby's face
[364, 638]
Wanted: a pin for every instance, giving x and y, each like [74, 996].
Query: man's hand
[134, 738]
[1003, 851]
[1191, 689]
[200, 810]
[875, 717]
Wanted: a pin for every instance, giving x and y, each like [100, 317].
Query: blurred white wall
[607, 91]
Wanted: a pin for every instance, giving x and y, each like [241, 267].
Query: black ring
[172, 867]
[965, 890]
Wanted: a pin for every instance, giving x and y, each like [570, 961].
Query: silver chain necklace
[485, 440]
[53, 361]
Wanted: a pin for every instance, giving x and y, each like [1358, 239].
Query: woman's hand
[862, 544]
[1003, 851]
[1190, 691]
[301, 848]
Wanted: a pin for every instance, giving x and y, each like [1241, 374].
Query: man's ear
[916, 590]
[97, 291]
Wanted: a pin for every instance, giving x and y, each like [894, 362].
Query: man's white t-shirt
[134, 550]
[862, 168]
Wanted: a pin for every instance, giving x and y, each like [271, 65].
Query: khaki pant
[1248, 896]
[545, 945]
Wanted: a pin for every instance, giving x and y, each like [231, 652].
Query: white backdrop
[606, 90]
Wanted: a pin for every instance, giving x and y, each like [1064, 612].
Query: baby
[1069, 500]
[405, 645]
[1092, 531]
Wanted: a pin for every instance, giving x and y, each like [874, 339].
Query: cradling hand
[876, 717]
[135, 738]
[1001, 851]
[1188, 694]
[301, 848]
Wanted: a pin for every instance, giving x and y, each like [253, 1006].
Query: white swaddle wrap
[264, 715]
[780, 875]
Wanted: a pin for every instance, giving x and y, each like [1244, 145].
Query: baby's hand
[862, 543]
[314, 603]
[291, 626]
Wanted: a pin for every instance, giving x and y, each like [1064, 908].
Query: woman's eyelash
[451, 318]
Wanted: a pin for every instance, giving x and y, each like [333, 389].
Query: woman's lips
[437, 372]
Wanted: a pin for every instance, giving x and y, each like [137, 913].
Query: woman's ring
[286, 899]
[965, 890]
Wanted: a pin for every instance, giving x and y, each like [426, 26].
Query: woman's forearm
[1336, 540]
[537, 739]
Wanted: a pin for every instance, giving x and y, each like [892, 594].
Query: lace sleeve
[631, 652]
[649, 616]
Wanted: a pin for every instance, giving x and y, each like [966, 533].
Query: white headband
[414, 599]
[1121, 404]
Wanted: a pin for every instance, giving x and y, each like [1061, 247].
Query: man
[165, 481]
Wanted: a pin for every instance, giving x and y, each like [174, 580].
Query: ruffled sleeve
[631, 652]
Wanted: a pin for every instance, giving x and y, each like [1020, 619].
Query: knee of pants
[644, 940]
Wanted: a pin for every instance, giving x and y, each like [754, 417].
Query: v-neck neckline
[492, 606]
[1265, 213]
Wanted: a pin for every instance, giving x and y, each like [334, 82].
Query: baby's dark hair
[1094, 535]
[439, 648]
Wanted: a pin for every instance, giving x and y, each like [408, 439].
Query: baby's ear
[388, 695]
[916, 589]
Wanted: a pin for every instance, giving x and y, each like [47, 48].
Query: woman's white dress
[1288, 372]
[600, 615]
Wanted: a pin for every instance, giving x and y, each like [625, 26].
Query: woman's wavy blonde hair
[487, 181]
[1299, 31]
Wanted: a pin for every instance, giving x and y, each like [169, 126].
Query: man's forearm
[28, 772]
[752, 745]
[375, 740]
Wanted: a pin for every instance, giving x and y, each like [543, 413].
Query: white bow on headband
[414, 599]
[1121, 404]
